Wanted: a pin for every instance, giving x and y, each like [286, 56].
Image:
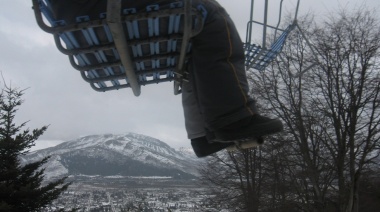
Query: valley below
[123, 193]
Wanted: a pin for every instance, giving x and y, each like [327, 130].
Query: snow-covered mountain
[127, 155]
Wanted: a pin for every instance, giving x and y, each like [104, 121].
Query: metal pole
[279, 20]
[119, 37]
[248, 38]
[185, 41]
[265, 24]
[298, 5]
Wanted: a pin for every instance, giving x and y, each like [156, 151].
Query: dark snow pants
[217, 94]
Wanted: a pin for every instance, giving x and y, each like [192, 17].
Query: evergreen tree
[21, 186]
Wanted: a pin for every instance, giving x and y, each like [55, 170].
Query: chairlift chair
[125, 48]
[258, 56]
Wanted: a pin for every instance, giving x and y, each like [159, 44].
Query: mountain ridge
[128, 154]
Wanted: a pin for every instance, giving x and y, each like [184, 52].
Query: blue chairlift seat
[258, 57]
[151, 47]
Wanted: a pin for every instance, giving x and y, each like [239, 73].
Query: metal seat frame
[258, 56]
[118, 24]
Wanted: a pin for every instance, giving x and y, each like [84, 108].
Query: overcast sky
[57, 95]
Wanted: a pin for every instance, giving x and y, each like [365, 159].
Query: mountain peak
[128, 154]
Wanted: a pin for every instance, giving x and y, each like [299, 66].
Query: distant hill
[126, 155]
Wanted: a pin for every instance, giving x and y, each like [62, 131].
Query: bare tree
[235, 180]
[349, 84]
[332, 111]
[306, 164]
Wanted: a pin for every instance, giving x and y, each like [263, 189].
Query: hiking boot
[248, 128]
[203, 148]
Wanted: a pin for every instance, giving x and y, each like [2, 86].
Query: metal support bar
[313, 50]
[187, 25]
[307, 40]
[268, 26]
[114, 21]
[265, 24]
[279, 19]
[248, 36]
[298, 6]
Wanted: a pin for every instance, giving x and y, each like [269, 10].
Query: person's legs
[219, 73]
[221, 83]
[194, 123]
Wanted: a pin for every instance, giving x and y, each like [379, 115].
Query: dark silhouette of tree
[350, 87]
[332, 111]
[21, 186]
[234, 179]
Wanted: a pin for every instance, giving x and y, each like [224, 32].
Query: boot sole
[252, 131]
